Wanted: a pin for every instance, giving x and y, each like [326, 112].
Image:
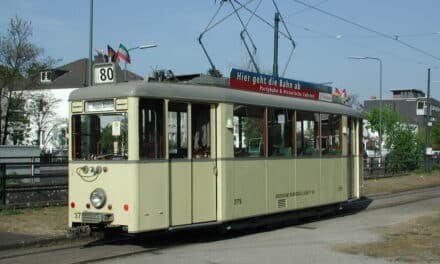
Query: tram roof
[206, 93]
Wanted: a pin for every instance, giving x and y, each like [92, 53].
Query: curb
[41, 242]
[33, 243]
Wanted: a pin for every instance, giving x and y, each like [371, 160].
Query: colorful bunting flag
[123, 54]
[344, 93]
[112, 56]
[337, 92]
[100, 54]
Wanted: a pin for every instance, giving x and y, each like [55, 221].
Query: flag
[100, 54]
[123, 54]
[112, 54]
[337, 92]
[344, 93]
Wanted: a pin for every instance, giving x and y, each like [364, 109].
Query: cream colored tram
[150, 156]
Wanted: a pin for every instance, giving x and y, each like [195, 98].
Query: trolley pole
[428, 126]
[275, 45]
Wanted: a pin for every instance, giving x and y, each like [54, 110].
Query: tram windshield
[99, 136]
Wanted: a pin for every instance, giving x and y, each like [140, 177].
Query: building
[411, 104]
[58, 83]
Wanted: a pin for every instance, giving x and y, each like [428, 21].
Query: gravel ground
[415, 241]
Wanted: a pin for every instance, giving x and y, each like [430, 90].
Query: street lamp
[380, 95]
[145, 46]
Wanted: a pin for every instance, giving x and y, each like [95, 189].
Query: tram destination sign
[268, 84]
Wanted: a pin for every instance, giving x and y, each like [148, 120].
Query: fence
[33, 181]
[379, 167]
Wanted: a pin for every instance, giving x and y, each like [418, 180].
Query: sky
[325, 38]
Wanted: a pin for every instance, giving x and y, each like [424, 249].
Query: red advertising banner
[267, 84]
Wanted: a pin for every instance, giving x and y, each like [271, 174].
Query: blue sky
[323, 42]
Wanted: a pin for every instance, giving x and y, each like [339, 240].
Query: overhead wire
[340, 37]
[384, 35]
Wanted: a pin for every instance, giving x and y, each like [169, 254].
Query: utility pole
[275, 45]
[428, 149]
[89, 70]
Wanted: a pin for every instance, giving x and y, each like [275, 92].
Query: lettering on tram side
[294, 194]
[268, 84]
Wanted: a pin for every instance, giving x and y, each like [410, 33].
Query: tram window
[307, 133]
[249, 131]
[330, 134]
[201, 134]
[178, 130]
[99, 136]
[279, 131]
[151, 138]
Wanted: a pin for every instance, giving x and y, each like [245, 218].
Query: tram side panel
[249, 183]
[333, 184]
[281, 185]
[153, 196]
[307, 178]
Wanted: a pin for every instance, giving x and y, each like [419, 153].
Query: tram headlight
[98, 198]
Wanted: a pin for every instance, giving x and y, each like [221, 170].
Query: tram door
[191, 166]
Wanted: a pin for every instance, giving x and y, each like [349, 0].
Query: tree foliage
[435, 135]
[41, 108]
[388, 126]
[405, 149]
[20, 66]
[404, 144]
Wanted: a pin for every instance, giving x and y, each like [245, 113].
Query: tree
[405, 150]
[20, 67]
[435, 135]
[400, 139]
[41, 110]
[18, 119]
[388, 124]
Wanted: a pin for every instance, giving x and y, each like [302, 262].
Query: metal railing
[380, 167]
[33, 181]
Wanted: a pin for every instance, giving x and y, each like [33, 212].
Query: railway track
[119, 247]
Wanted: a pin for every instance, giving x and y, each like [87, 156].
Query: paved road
[307, 243]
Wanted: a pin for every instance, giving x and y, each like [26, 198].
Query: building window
[46, 76]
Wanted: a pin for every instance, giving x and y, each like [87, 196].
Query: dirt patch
[401, 183]
[417, 241]
[47, 221]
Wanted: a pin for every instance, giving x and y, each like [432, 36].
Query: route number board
[104, 73]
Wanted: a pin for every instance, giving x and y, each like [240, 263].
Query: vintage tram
[148, 156]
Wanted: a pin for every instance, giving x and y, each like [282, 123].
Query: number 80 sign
[104, 73]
